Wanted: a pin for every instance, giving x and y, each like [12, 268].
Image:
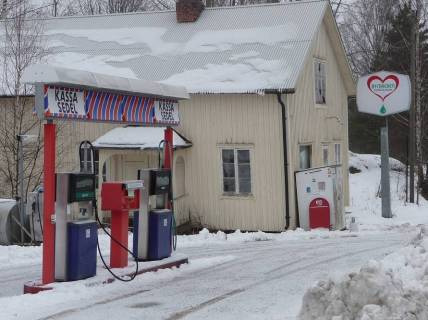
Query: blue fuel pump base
[132, 277]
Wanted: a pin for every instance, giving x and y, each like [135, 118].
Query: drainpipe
[285, 148]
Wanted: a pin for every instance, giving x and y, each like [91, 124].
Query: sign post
[385, 183]
[384, 93]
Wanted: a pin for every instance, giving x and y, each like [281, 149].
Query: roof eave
[281, 91]
[137, 148]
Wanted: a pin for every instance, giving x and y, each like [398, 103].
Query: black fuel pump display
[160, 181]
[81, 187]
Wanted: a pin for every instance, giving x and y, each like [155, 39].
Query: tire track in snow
[199, 273]
[250, 254]
[181, 314]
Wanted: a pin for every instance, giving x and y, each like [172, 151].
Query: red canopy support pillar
[119, 232]
[169, 155]
[48, 272]
[168, 148]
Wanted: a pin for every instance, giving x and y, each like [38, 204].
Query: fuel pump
[75, 227]
[153, 222]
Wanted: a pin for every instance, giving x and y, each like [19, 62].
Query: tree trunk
[412, 115]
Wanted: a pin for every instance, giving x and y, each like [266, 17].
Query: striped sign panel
[100, 106]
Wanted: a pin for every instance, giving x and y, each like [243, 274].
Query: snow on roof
[64, 76]
[138, 138]
[227, 50]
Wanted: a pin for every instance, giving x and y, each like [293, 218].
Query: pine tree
[396, 56]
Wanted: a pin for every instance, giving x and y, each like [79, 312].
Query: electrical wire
[32, 226]
[131, 277]
[38, 210]
[94, 203]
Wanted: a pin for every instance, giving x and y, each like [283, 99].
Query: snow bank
[365, 202]
[369, 162]
[204, 237]
[14, 256]
[394, 288]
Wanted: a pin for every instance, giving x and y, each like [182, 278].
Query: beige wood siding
[318, 125]
[181, 200]
[70, 135]
[253, 121]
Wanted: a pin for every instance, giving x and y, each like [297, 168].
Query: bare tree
[363, 26]
[22, 45]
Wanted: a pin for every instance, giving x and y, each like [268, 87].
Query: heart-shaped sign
[383, 88]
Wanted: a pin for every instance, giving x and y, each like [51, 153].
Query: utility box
[160, 234]
[319, 214]
[315, 184]
[81, 250]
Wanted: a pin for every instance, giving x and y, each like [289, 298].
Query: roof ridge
[296, 2]
[173, 10]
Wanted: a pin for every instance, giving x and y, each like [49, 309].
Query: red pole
[48, 273]
[119, 231]
[168, 136]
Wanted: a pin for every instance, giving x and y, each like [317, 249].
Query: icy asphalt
[249, 280]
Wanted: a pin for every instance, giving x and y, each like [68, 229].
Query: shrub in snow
[395, 289]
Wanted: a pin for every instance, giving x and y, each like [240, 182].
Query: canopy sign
[383, 93]
[103, 106]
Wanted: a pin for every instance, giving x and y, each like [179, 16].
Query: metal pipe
[21, 184]
[385, 183]
[285, 148]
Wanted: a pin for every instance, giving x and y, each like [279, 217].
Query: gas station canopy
[41, 73]
[82, 95]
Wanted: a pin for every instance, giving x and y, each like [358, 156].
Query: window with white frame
[305, 156]
[337, 153]
[236, 171]
[325, 155]
[320, 81]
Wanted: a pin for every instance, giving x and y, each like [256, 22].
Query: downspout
[285, 148]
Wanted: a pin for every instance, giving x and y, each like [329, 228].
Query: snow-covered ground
[249, 275]
[394, 288]
[366, 205]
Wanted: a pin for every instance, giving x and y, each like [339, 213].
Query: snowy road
[12, 279]
[253, 280]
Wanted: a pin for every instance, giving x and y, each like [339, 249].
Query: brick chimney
[188, 10]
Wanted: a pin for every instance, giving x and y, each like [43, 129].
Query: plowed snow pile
[395, 288]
